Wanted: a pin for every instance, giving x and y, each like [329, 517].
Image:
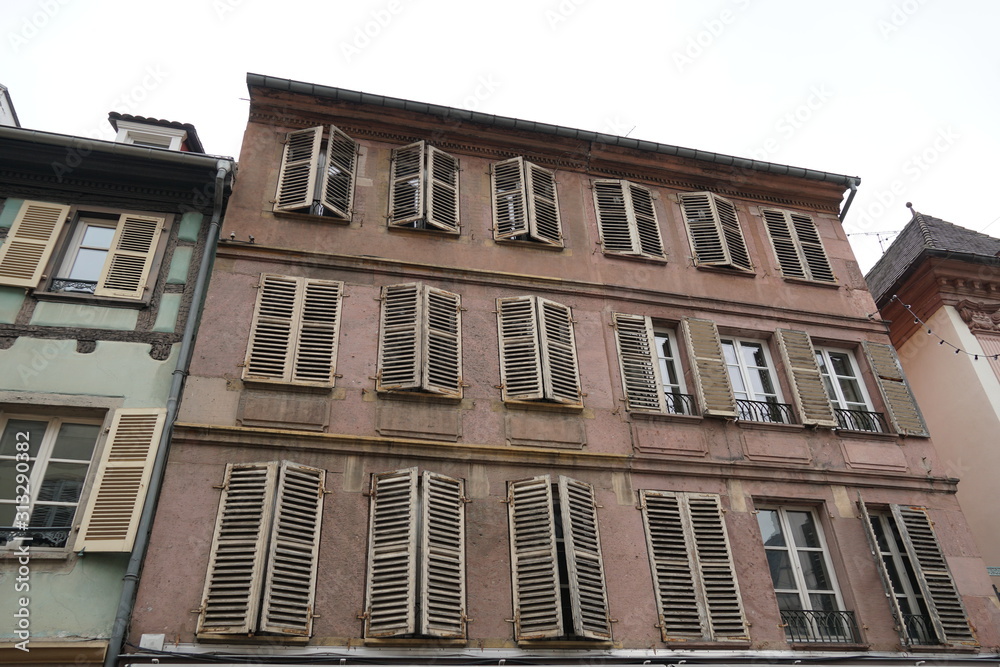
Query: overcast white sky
[903, 93]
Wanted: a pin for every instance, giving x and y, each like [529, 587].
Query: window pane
[98, 237]
[781, 569]
[823, 601]
[841, 364]
[770, 529]
[753, 354]
[34, 430]
[63, 482]
[7, 479]
[814, 571]
[803, 529]
[729, 352]
[788, 601]
[852, 391]
[76, 442]
[762, 385]
[7, 516]
[45, 516]
[736, 379]
[88, 264]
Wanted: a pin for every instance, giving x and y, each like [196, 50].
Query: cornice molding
[980, 316]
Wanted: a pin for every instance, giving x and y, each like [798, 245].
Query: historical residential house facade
[487, 389]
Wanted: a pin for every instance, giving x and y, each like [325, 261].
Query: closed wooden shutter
[726, 620]
[584, 564]
[559, 365]
[895, 390]
[442, 553]
[739, 257]
[715, 394]
[272, 332]
[442, 342]
[406, 185]
[297, 175]
[339, 173]
[812, 247]
[534, 559]
[520, 356]
[442, 190]
[797, 245]
[510, 204]
[315, 355]
[887, 578]
[399, 362]
[647, 230]
[639, 365]
[785, 248]
[392, 555]
[811, 398]
[29, 244]
[544, 222]
[122, 480]
[126, 270]
[715, 232]
[613, 216]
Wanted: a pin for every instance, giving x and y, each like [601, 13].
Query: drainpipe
[854, 190]
[131, 578]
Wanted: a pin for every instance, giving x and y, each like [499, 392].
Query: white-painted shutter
[808, 391]
[273, 331]
[520, 356]
[406, 185]
[639, 365]
[647, 230]
[584, 564]
[30, 242]
[441, 356]
[392, 555]
[442, 190]
[876, 551]
[544, 222]
[339, 173]
[613, 216]
[315, 357]
[510, 204]
[122, 480]
[560, 371]
[714, 230]
[297, 175]
[126, 270]
[399, 362]
[442, 553]
[899, 400]
[534, 559]
[708, 366]
[797, 245]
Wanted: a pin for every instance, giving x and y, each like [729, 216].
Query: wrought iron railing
[70, 285]
[838, 627]
[861, 420]
[918, 629]
[765, 411]
[680, 404]
[53, 536]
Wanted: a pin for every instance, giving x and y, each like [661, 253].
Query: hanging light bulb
[957, 350]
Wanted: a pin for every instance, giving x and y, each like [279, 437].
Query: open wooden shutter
[315, 357]
[785, 248]
[289, 592]
[581, 535]
[520, 356]
[406, 184]
[297, 176]
[876, 551]
[543, 205]
[812, 247]
[647, 230]
[703, 229]
[442, 190]
[560, 372]
[442, 553]
[510, 204]
[339, 173]
[639, 364]
[121, 482]
[811, 398]
[614, 217]
[797, 245]
[392, 555]
[126, 270]
[896, 391]
[399, 363]
[714, 561]
[739, 257]
[28, 246]
[231, 602]
[442, 342]
[715, 394]
[274, 329]
[534, 559]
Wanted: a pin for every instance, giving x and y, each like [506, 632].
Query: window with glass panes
[87, 252]
[749, 365]
[842, 379]
[670, 371]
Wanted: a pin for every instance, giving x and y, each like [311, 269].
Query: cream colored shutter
[739, 257]
[812, 247]
[615, 218]
[785, 247]
[639, 365]
[716, 572]
[441, 341]
[289, 592]
[534, 559]
[543, 205]
[679, 605]
[703, 229]
[442, 190]
[315, 356]
[390, 598]
[797, 245]
[231, 601]
[520, 356]
[876, 551]
[406, 185]
[560, 371]
[584, 564]
[399, 362]
[126, 270]
[715, 394]
[442, 557]
[811, 398]
[121, 482]
[943, 600]
[29, 243]
[510, 204]
[339, 173]
[647, 230]
[274, 329]
[297, 175]
[896, 392]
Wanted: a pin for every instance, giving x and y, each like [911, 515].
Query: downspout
[131, 579]
[854, 190]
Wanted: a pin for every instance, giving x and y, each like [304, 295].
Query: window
[525, 204]
[152, 136]
[262, 564]
[896, 393]
[797, 245]
[293, 336]
[757, 393]
[847, 394]
[650, 367]
[537, 351]
[555, 552]
[317, 175]
[423, 189]
[420, 340]
[697, 595]
[416, 556]
[714, 231]
[627, 219]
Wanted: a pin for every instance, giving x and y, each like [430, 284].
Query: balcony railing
[680, 404]
[54, 536]
[765, 411]
[918, 629]
[71, 285]
[861, 420]
[838, 627]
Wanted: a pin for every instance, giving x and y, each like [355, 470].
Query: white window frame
[169, 138]
[744, 371]
[832, 381]
[660, 335]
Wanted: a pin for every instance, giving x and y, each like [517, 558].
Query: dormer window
[150, 136]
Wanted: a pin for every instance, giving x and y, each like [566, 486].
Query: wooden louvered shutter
[543, 205]
[811, 398]
[797, 245]
[812, 247]
[895, 390]
[121, 482]
[943, 600]
[406, 184]
[736, 245]
[399, 363]
[520, 356]
[126, 270]
[289, 591]
[318, 327]
[560, 371]
[510, 204]
[297, 175]
[29, 244]
[584, 564]
[339, 173]
[785, 248]
[715, 394]
[442, 553]
[442, 342]
[273, 330]
[876, 551]
[703, 229]
[613, 217]
[392, 555]
[647, 231]
[714, 561]
[442, 190]
[231, 602]
[534, 559]
[639, 364]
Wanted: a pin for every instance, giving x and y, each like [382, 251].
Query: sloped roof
[193, 142]
[926, 236]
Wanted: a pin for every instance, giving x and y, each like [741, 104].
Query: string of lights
[941, 341]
